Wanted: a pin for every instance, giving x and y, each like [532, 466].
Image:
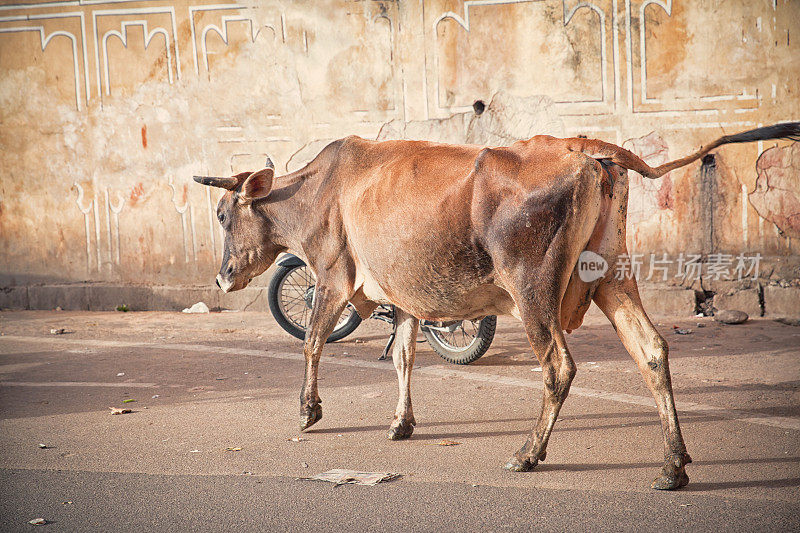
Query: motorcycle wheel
[466, 343]
[290, 295]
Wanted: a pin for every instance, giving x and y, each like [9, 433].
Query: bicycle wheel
[462, 343]
[291, 295]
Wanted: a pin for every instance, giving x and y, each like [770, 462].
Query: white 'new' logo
[591, 266]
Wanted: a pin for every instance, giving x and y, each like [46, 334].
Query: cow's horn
[224, 183]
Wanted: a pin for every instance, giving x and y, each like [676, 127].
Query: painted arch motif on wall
[490, 45]
[598, 54]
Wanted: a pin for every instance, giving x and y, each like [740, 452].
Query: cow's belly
[433, 286]
[487, 299]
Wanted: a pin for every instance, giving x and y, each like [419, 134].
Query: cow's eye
[221, 217]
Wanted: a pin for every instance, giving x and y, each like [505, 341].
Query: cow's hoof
[515, 464]
[310, 416]
[670, 482]
[673, 473]
[401, 429]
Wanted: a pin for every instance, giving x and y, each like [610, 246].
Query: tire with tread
[475, 351]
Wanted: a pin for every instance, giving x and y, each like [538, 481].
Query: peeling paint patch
[777, 193]
[506, 119]
[648, 196]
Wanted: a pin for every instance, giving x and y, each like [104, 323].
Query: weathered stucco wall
[108, 108]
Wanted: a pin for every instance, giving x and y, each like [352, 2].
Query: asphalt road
[206, 383]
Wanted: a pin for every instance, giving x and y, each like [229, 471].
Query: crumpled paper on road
[199, 307]
[339, 476]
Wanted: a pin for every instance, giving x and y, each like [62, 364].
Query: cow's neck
[289, 208]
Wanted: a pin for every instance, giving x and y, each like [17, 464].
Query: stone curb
[747, 300]
[781, 301]
[106, 297]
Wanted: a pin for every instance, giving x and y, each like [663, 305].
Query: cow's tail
[629, 160]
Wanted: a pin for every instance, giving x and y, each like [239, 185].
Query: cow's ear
[257, 185]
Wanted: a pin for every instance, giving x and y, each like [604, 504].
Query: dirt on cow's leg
[620, 302]
[403, 356]
[558, 369]
[328, 305]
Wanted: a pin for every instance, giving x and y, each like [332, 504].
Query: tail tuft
[786, 130]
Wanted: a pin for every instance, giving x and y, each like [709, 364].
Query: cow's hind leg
[328, 306]
[620, 302]
[403, 356]
[558, 369]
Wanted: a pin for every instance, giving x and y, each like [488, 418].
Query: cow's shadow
[694, 485]
[417, 436]
[722, 485]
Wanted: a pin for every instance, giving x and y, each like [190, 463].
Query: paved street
[205, 383]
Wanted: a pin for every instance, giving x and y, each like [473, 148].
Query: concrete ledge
[248, 299]
[13, 297]
[166, 298]
[69, 297]
[108, 297]
[746, 300]
[658, 301]
[781, 301]
[668, 301]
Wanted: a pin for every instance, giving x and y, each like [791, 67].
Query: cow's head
[249, 246]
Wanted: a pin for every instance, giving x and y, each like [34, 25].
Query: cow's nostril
[217, 282]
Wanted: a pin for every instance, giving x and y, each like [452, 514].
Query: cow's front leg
[403, 356]
[328, 306]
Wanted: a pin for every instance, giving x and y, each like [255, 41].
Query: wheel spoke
[460, 338]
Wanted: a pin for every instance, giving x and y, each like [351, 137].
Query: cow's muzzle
[224, 284]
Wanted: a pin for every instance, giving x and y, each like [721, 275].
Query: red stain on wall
[136, 194]
[144, 136]
[664, 195]
[649, 196]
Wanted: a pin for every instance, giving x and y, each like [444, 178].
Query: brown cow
[458, 232]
